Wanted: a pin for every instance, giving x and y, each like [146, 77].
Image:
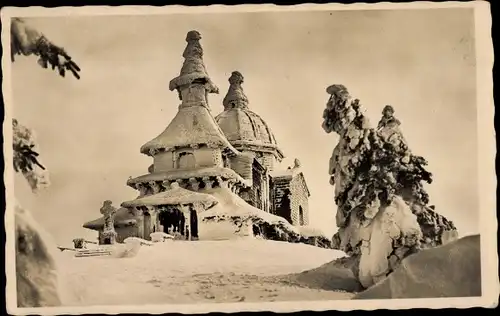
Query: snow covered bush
[313, 236]
[383, 213]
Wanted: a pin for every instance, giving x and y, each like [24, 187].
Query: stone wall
[258, 194]
[267, 161]
[298, 195]
[243, 165]
[202, 157]
[205, 157]
[299, 200]
[163, 162]
[279, 188]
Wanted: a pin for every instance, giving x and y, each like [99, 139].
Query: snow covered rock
[451, 270]
[36, 269]
[129, 249]
[137, 241]
[383, 213]
[38, 282]
[331, 276]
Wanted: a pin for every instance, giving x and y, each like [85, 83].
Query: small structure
[124, 224]
[189, 203]
[79, 243]
[280, 192]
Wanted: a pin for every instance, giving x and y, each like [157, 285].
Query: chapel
[195, 153]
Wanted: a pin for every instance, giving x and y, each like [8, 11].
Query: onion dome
[243, 128]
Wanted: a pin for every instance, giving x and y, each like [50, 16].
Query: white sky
[90, 131]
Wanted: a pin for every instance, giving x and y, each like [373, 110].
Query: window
[301, 216]
[185, 161]
[225, 162]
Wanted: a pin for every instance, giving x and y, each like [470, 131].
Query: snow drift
[232, 216]
[451, 270]
[193, 272]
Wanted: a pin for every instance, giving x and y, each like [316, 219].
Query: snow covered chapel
[211, 178]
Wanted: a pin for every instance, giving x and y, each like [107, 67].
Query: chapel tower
[192, 150]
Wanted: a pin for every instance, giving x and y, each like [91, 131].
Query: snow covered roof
[290, 174]
[282, 173]
[225, 173]
[230, 204]
[310, 231]
[192, 125]
[123, 217]
[174, 196]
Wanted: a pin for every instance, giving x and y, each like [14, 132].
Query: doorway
[301, 216]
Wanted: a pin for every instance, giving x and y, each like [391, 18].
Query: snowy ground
[180, 272]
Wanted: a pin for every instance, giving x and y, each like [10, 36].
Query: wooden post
[187, 220]
[197, 208]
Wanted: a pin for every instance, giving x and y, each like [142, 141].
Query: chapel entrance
[172, 220]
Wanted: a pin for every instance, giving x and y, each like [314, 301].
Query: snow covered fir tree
[383, 212]
[37, 282]
[214, 178]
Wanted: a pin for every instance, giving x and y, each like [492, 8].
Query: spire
[193, 70]
[193, 125]
[235, 97]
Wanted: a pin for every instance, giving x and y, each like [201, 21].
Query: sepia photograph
[249, 158]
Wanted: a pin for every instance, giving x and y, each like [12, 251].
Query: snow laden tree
[37, 280]
[25, 40]
[383, 211]
[26, 157]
